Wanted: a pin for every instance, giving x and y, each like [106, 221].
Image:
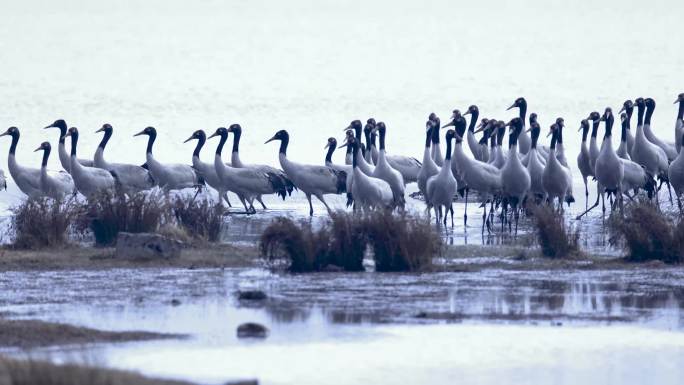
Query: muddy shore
[451, 258]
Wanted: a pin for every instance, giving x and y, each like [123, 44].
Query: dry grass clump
[399, 242]
[33, 372]
[297, 243]
[552, 235]
[346, 242]
[200, 218]
[41, 222]
[649, 234]
[109, 213]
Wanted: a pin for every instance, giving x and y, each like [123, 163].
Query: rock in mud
[146, 246]
[251, 295]
[252, 330]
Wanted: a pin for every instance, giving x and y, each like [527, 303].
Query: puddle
[621, 326]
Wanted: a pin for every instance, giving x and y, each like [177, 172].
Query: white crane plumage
[369, 192]
[169, 176]
[64, 157]
[645, 153]
[669, 149]
[679, 122]
[247, 183]
[515, 179]
[524, 141]
[207, 171]
[441, 188]
[131, 178]
[429, 168]
[609, 170]
[273, 172]
[554, 179]
[55, 186]
[383, 170]
[89, 181]
[584, 161]
[26, 178]
[310, 179]
[478, 176]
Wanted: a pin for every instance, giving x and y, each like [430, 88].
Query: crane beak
[270, 140]
[343, 145]
[549, 134]
[349, 127]
[478, 130]
[512, 106]
[38, 149]
[101, 129]
[579, 129]
[212, 135]
[326, 146]
[466, 113]
[448, 124]
[4, 133]
[52, 125]
[677, 101]
[140, 133]
[529, 129]
[190, 138]
[623, 108]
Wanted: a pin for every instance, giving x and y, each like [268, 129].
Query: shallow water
[311, 67]
[622, 326]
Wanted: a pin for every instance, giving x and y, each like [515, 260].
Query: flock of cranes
[525, 173]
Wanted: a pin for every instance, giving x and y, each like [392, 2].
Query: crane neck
[46, 155]
[74, 142]
[473, 121]
[237, 134]
[222, 142]
[328, 155]
[649, 113]
[13, 146]
[448, 149]
[105, 139]
[200, 143]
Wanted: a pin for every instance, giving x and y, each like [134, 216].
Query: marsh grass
[552, 233]
[42, 222]
[398, 242]
[110, 213]
[401, 242]
[199, 217]
[36, 372]
[648, 233]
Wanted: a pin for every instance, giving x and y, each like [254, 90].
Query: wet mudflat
[535, 326]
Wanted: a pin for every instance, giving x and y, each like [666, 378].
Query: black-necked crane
[207, 170]
[669, 149]
[169, 176]
[383, 170]
[679, 122]
[479, 176]
[132, 178]
[26, 178]
[584, 161]
[89, 181]
[441, 188]
[369, 192]
[64, 157]
[311, 179]
[429, 168]
[515, 179]
[236, 162]
[55, 186]
[524, 141]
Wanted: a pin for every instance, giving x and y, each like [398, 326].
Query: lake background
[312, 66]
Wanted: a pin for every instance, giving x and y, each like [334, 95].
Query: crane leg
[308, 197]
[320, 198]
[465, 214]
[258, 198]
